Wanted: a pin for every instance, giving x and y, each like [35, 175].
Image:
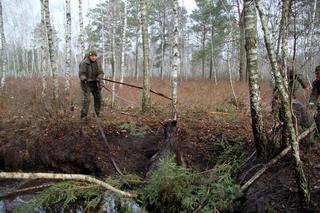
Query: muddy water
[13, 194]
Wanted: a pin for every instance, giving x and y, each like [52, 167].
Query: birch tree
[309, 46]
[176, 58]
[250, 19]
[68, 48]
[242, 50]
[124, 41]
[146, 98]
[284, 26]
[303, 189]
[3, 51]
[81, 27]
[51, 50]
[113, 53]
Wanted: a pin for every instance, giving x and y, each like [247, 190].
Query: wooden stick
[24, 190]
[138, 87]
[276, 159]
[59, 176]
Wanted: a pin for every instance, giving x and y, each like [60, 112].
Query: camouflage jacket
[293, 80]
[315, 92]
[90, 71]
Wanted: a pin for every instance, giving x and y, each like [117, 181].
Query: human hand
[311, 105]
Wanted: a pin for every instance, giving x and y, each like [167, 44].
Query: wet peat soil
[68, 145]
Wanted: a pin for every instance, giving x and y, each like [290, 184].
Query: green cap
[92, 52]
[317, 70]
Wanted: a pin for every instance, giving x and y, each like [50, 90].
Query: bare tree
[250, 19]
[146, 98]
[44, 51]
[51, 50]
[3, 51]
[68, 48]
[124, 42]
[81, 27]
[304, 192]
[242, 50]
[176, 58]
[113, 55]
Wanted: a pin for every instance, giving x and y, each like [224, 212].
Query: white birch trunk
[302, 183]
[113, 59]
[124, 42]
[175, 59]
[43, 51]
[3, 51]
[81, 28]
[58, 176]
[250, 18]
[51, 51]
[68, 48]
[309, 40]
[284, 49]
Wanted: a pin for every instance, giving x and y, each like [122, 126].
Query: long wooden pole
[138, 87]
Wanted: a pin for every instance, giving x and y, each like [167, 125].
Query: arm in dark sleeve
[314, 93]
[82, 71]
[302, 81]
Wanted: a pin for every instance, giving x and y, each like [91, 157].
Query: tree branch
[59, 176]
[276, 159]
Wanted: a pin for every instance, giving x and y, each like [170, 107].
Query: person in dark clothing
[314, 96]
[91, 81]
[293, 79]
[304, 120]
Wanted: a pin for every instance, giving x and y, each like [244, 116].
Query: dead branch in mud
[276, 159]
[59, 176]
[24, 190]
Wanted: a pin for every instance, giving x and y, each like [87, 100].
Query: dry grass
[23, 96]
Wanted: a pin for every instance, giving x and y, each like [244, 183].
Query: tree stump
[168, 148]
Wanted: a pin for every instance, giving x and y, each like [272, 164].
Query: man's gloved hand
[100, 83]
[85, 85]
[311, 105]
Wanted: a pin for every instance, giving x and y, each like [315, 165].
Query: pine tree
[146, 98]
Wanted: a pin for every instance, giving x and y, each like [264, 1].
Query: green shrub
[168, 186]
[174, 188]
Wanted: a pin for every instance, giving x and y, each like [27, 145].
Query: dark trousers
[90, 87]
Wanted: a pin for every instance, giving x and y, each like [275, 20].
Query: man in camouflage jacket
[313, 100]
[91, 81]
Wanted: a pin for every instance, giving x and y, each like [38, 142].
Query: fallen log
[274, 160]
[59, 176]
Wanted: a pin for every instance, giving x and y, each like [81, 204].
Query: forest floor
[37, 134]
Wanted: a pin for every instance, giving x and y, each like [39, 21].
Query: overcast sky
[21, 16]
